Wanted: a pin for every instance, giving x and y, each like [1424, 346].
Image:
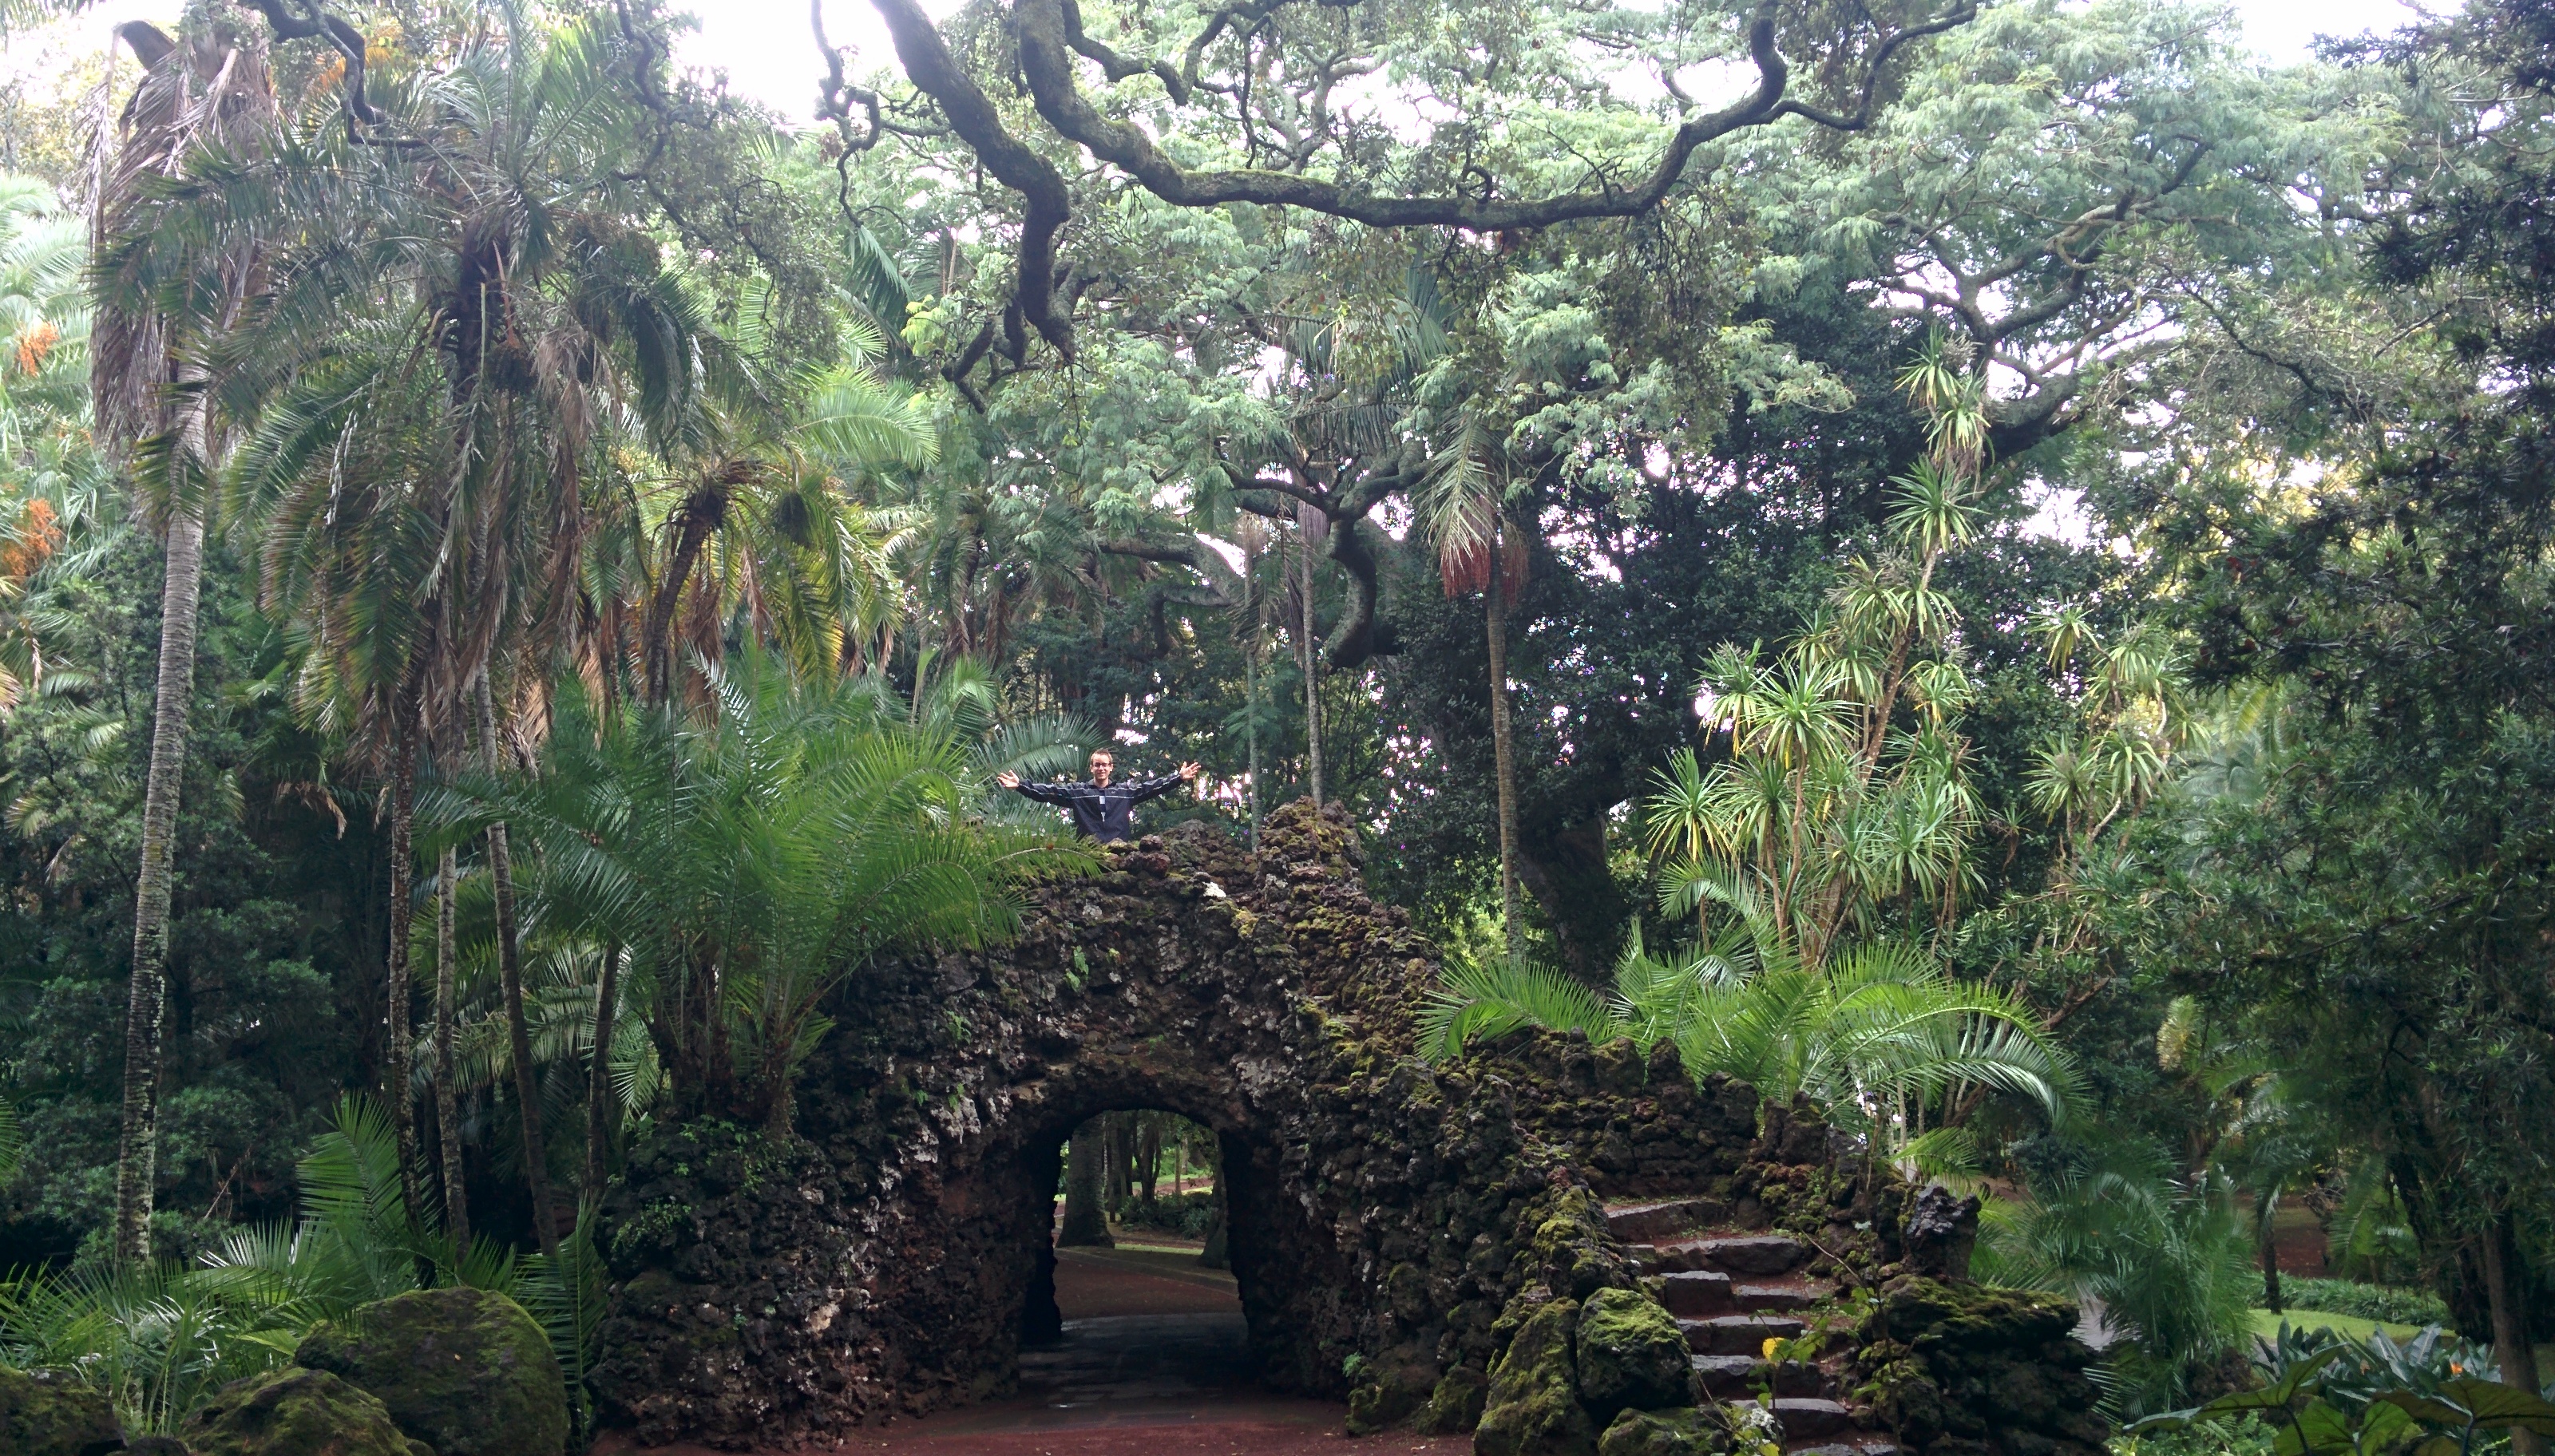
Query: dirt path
[1153, 1363]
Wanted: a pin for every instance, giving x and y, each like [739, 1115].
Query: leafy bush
[1184, 1214]
[159, 1341]
[2392, 1303]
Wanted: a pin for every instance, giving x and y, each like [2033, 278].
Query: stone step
[1857, 1443]
[1758, 1255]
[1697, 1293]
[1775, 1298]
[1736, 1377]
[1649, 1223]
[1737, 1334]
[1807, 1416]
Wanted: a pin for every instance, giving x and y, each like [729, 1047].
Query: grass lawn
[2349, 1326]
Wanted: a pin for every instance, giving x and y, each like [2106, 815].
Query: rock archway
[1394, 1225]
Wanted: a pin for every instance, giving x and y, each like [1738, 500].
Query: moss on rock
[1630, 1356]
[297, 1413]
[1686, 1431]
[44, 1414]
[1455, 1406]
[1532, 1409]
[465, 1371]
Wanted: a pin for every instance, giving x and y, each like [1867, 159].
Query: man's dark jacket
[1106, 814]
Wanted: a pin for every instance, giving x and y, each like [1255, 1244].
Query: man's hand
[1008, 778]
[1189, 772]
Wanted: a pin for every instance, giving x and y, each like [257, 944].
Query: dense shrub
[2392, 1304]
[1183, 1214]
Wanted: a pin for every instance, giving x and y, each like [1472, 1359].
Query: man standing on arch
[1103, 810]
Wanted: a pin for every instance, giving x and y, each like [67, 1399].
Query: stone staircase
[1731, 1292]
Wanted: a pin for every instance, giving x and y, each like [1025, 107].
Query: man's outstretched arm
[1157, 788]
[1044, 793]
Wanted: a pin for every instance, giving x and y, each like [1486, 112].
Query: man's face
[1100, 766]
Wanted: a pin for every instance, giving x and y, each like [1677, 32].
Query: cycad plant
[746, 859]
[1879, 1036]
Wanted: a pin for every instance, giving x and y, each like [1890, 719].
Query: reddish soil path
[1153, 1363]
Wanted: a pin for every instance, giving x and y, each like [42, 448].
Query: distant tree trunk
[1312, 666]
[2264, 1206]
[1122, 1159]
[1503, 745]
[598, 1085]
[1149, 1155]
[1216, 1254]
[1084, 1223]
[2506, 1292]
[137, 1155]
[510, 976]
[448, 1103]
[397, 1065]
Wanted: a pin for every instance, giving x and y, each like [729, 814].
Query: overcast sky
[766, 50]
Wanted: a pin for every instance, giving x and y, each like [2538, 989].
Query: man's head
[1101, 763]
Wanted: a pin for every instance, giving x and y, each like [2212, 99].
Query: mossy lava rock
[1534, 1407]
[297, 1413]
[1684, 1433]
[1631, 1355]
[48, 1415]
[465, 1371]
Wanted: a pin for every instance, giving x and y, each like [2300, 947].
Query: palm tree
[420, 467]
[1879, 1036]
[148, 370]
[1462, 506]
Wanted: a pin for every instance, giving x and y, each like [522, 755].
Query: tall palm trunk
[137, 1154]
[1312, 662]
[397, 1067]
[510, 976]
[598, 1086]
[1503, 753]
[447, 1103]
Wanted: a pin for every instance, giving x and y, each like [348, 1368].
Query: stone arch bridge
[1530, 1241]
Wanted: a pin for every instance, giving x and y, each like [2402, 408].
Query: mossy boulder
[1686, 1431]
[1532, 1409]
[297, 1413]
[1389, 1393]
[465, 1371]
[44, 1414]
[1630, 1356]
[1455, 1406]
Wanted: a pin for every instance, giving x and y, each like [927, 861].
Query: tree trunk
[396, 1068]
[1122, 1158]
[2507, 1289]
[1503, 751]
[1251, 730]
[447, 1102]
[510, 976]
[1218, 1251]
[1149, 1155]
[598, 1085]
[1084, 1223]
[137, 1155]
[1313, 669]
[2265, 1205]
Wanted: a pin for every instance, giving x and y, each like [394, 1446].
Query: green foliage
[2393, 1304]
[751, 859]
[2326, 1397]
[161, 1340]
[1878, 1036]
[2171, 1262]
